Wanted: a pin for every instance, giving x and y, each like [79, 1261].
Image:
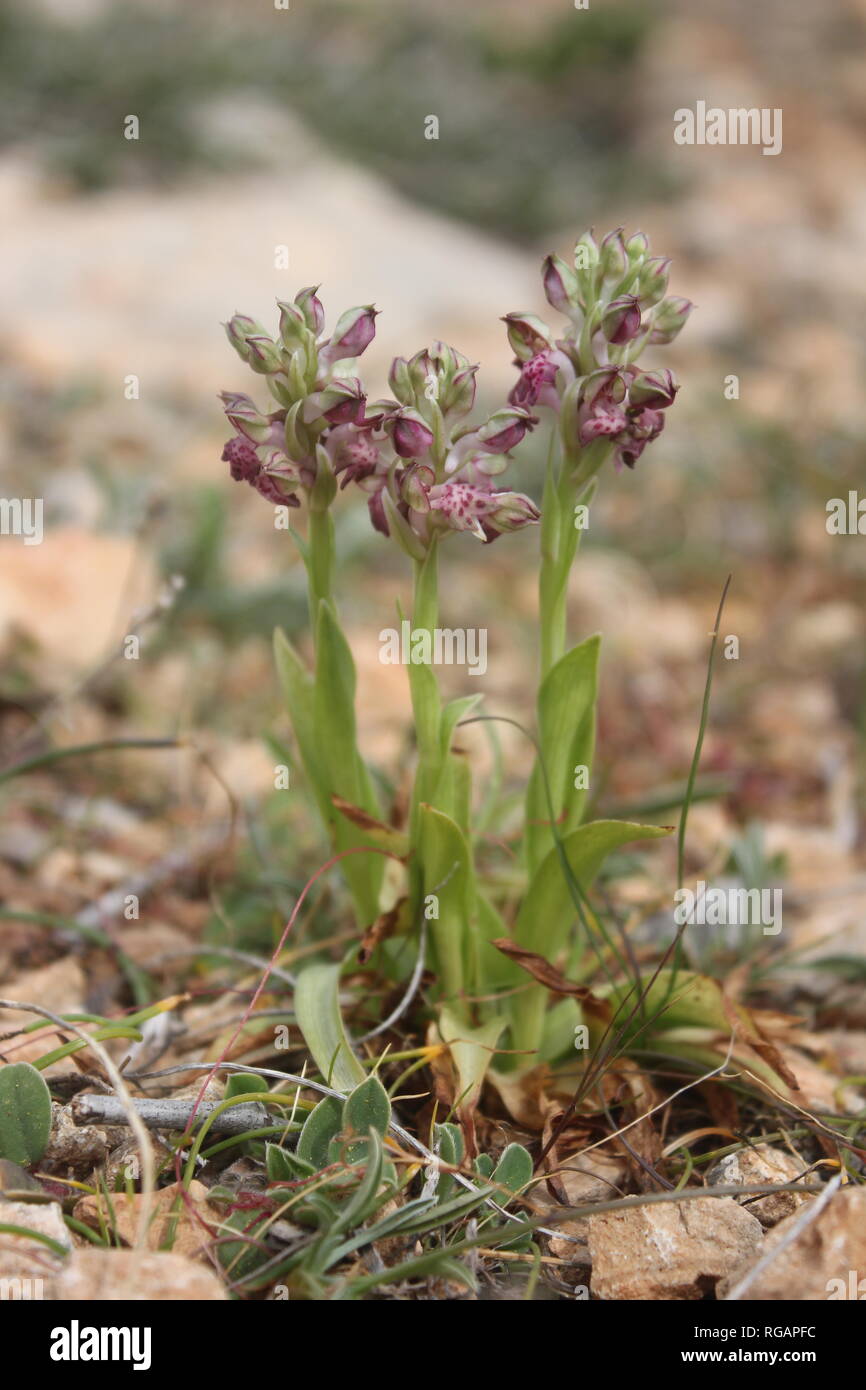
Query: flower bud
[459, 397]
[504, 430]
[239, 328]
[527, 334]
[652, 282]
[613, 255]
[620, 322]
[510, 512]
[586, 266]
[246, 417]
[311, 307]
[410, 435]
[294, 331]
[400, 381]
[656, 390]
[354, 332]
[560, 284]
[342, 402]
[669, 319]
[264, 355]
[637, 246]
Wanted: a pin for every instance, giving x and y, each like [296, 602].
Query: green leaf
[363, 1201]
[317, 1009]
[448, 1144]
[240, 1257]
[375, 831]
[284, 1166]
[25, 1114]
[514, 1169]
[675, 999]
[514, 1172]
[347, 777]
[566, 735]
[483, 1166]
[452, 714]
[322, 1124]
[472, 1052]
[448, 875]
[368, 1107]
[242, 1084]
[298, 691]
[547, 910]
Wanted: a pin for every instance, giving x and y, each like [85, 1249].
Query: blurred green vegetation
[535, 129]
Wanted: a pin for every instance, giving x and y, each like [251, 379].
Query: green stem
[320, 561]
[559, 539]
[424, 687]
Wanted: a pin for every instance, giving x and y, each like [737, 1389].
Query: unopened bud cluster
[615, 298]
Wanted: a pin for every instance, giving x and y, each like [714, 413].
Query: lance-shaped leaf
[317, 1008]
[566, 735]
[547, 910]
[347, 777]
[298, 691]
[323, 1124]
[472, 1051]
[450, 895]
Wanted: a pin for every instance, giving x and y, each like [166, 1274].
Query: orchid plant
[427, 470]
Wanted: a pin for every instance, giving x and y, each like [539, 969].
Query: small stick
[168, 1114]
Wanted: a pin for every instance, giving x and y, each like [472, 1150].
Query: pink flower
[536, 383]
[354, 332]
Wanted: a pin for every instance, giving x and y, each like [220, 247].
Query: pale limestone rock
[669, 1250]
[754, 1167]
[820, 1262]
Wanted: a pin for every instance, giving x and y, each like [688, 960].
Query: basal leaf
[317, 1008]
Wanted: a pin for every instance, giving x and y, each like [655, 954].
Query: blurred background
[305, 128]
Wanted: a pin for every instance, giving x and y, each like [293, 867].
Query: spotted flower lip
[355, 453]
[265, 468]
[487, 512]
[536, 383]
